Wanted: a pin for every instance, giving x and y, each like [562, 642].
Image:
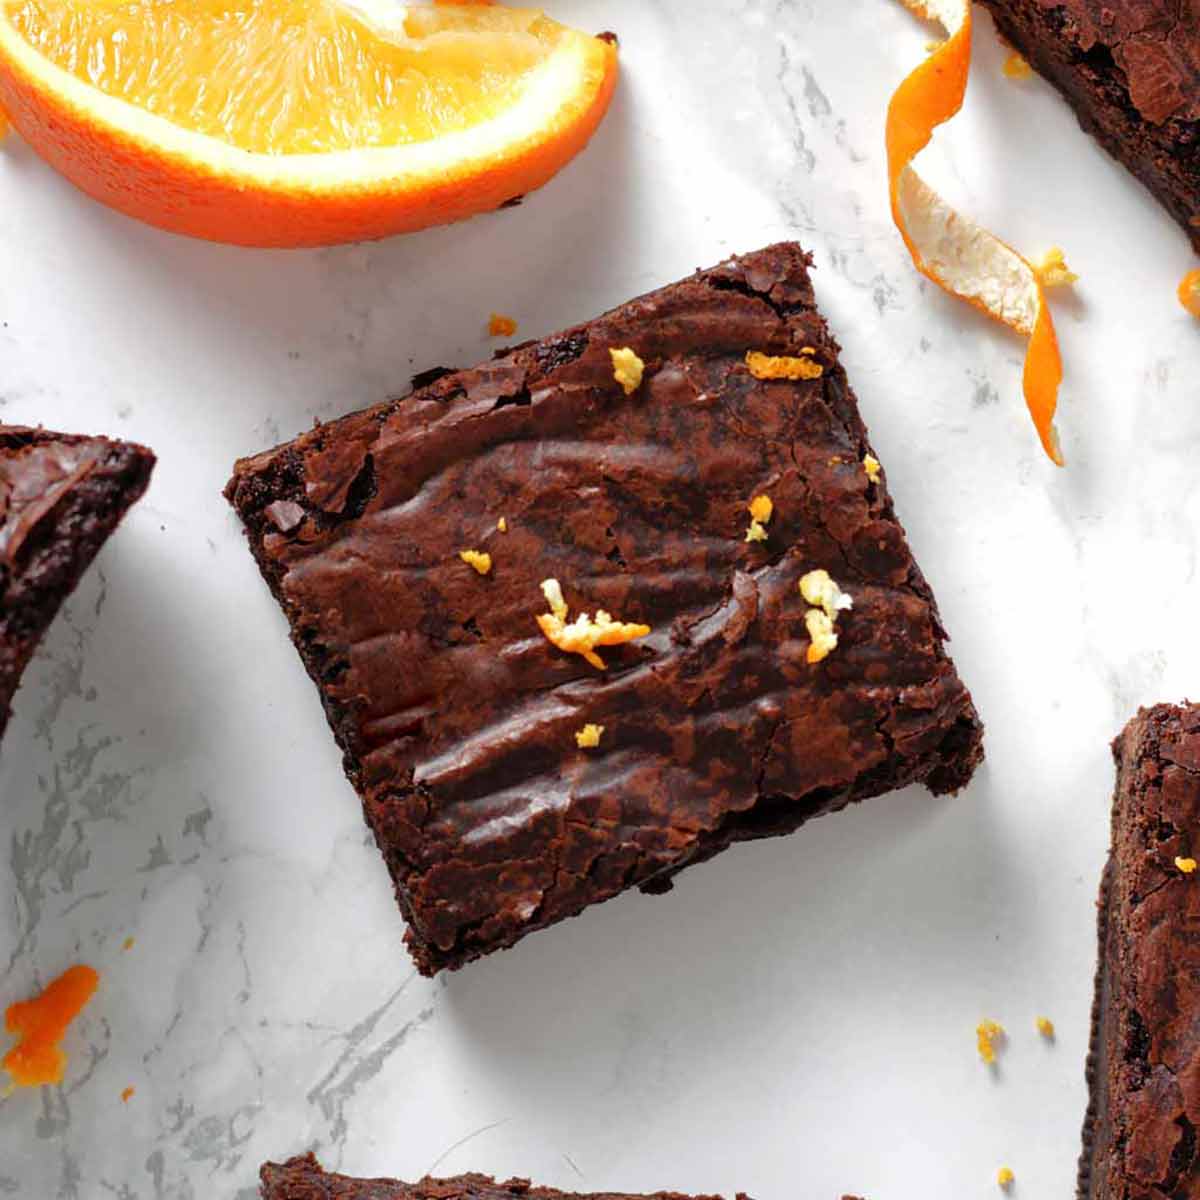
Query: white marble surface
[796, 1019]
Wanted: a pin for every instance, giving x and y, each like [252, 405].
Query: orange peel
[1189, 292]
[41, 1024]
[583, 635]
[949, 249]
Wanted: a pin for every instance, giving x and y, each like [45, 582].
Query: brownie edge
[302, 1178]
[1143, 1071]
[458, 721]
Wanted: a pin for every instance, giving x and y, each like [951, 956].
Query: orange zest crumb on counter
[1015, 67]
[1005, 1177]
[1052, 270]
[583, 635]
[987, 1035]
[41, 1024]
[783, 366]
[588, 738]
[1186, 865]
[1189, 292]
[127, 1094]
[127, 944]
[1045, 1027]
[500, 325]
[481, 561]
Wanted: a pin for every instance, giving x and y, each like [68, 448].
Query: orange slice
[300, 122]
[955, 253]
[41, 1023]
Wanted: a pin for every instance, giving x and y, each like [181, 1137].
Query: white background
[797, 1018]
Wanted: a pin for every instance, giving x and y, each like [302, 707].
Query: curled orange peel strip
[961, 257]
[1189, 292]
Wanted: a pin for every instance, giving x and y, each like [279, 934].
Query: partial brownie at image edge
[61, 497]
[302, 1178]
[692, 468]
[1140, 1132]
[1132, 75]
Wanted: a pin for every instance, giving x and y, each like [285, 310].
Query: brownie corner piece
[302, 1178]
[1131, 72]
[764, 647]
[61, 497]
[1140, 1131]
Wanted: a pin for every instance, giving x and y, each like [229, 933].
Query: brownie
[1139, 1136]
[457, 718]
[1131, 71]
[60, 497]
[302, 1179]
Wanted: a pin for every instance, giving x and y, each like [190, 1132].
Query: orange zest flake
[588, 738]
[480, 560]
[1052, 270]
[959, 256]
[1185, 866]
[1045, 1027]
[583, 635]
[987, 1035]
[1189, 292]
[783, 366]
[127, 1094]
[761, 509]
[1016, 67]
[501, 326]
[127, 944]
[871, 466]
[628, 369]
[1005, 1177]
[502, 525]
[41, 1024]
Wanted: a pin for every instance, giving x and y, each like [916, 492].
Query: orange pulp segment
[41, 1023]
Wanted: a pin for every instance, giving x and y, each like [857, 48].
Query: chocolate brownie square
[61, 496]
[684, 465]
[1131, 71]
[1139, 1137]
[302, 1179]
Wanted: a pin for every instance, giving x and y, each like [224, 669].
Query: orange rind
[954, 252]
[41, 1023]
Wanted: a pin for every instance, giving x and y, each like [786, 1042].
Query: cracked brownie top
[456, 696]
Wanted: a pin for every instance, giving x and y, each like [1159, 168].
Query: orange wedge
[300, 122]
[950, 249]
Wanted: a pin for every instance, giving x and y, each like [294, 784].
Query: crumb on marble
[783, 366]
[480, 560]
[500, 325]
[127, 944]
[1052, 270]
[628, 369]
[1017, 67]
[1045, 1027]
[41, 1023]
[127, 1094]
[988, 1034]
[1005, 1177]
[588, 738]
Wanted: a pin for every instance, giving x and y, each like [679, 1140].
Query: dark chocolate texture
[61, 496]
[457, 717]
[1140, 1133]
[303, 1179]
[1131, 71]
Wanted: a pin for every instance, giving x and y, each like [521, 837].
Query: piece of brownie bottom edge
[1143, 1072]
[302, 1178]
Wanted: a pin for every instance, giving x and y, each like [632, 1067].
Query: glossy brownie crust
[303, 1179]
[457, 718]
[61, 496]
[1140, 1134]
[1131, 71]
